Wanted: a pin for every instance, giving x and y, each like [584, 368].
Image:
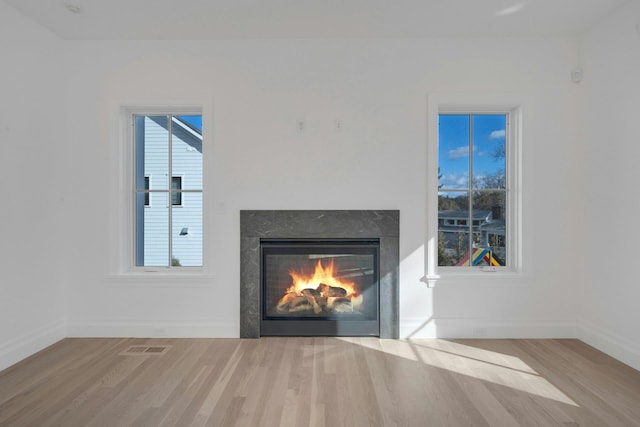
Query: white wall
[32, 135]
[611, 104]
[378, 89]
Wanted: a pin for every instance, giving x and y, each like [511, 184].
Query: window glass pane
[186, 151]
[453, 248]
[489, 207]
[147, 199]
[176, 197]
[187, 232]
[152, 151]
[453, 201]
[453, 234]
[152, 231]
[489, 139]
[453, 151]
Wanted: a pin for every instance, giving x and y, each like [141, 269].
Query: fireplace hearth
[319, 273]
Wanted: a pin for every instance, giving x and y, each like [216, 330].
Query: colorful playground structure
[479, 255]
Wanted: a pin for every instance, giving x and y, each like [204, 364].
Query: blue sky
[195, 121]
[453, 148]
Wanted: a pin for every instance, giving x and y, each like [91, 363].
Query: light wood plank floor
[319, 382]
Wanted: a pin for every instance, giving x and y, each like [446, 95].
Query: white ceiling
[229, 19]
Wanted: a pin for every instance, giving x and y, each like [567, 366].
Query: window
[472, 187]
[474, 194]
[167, 145]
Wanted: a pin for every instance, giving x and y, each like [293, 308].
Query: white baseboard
[479, 328]
[14, 351]
[160, 329]
[610, 343]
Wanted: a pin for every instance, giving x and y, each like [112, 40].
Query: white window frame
[477, 104]
[123, 265]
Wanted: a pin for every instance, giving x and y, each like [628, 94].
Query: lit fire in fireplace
[321, 292]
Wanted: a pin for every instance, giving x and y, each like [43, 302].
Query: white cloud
[497, 134]
[458, 153]
[455, 181]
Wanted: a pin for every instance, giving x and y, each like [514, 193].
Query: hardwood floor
[319, 382]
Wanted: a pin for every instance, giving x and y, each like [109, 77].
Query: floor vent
[145, 350]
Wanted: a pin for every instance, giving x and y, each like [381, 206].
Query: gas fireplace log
[301, 307]
[322, 302]
[300, 300]
[290, 300]
[342, 305]
[331, 291]
[311, 291]
[308, 299]
[286, 300]
[310, 294]
[324, 298]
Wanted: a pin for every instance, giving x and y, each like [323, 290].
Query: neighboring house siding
[188, 248]
[187, 164]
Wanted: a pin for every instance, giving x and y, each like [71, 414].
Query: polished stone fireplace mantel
[307, 224]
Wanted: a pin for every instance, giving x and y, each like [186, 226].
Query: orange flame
[320, 275]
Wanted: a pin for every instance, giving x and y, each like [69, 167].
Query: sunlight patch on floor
[479, 354]
[497, 368]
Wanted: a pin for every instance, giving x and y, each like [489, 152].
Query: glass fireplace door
[320, 287]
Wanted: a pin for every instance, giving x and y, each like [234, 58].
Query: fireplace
[353, 255]
[326, 287]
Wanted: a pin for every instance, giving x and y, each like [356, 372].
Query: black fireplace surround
[371, 236]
